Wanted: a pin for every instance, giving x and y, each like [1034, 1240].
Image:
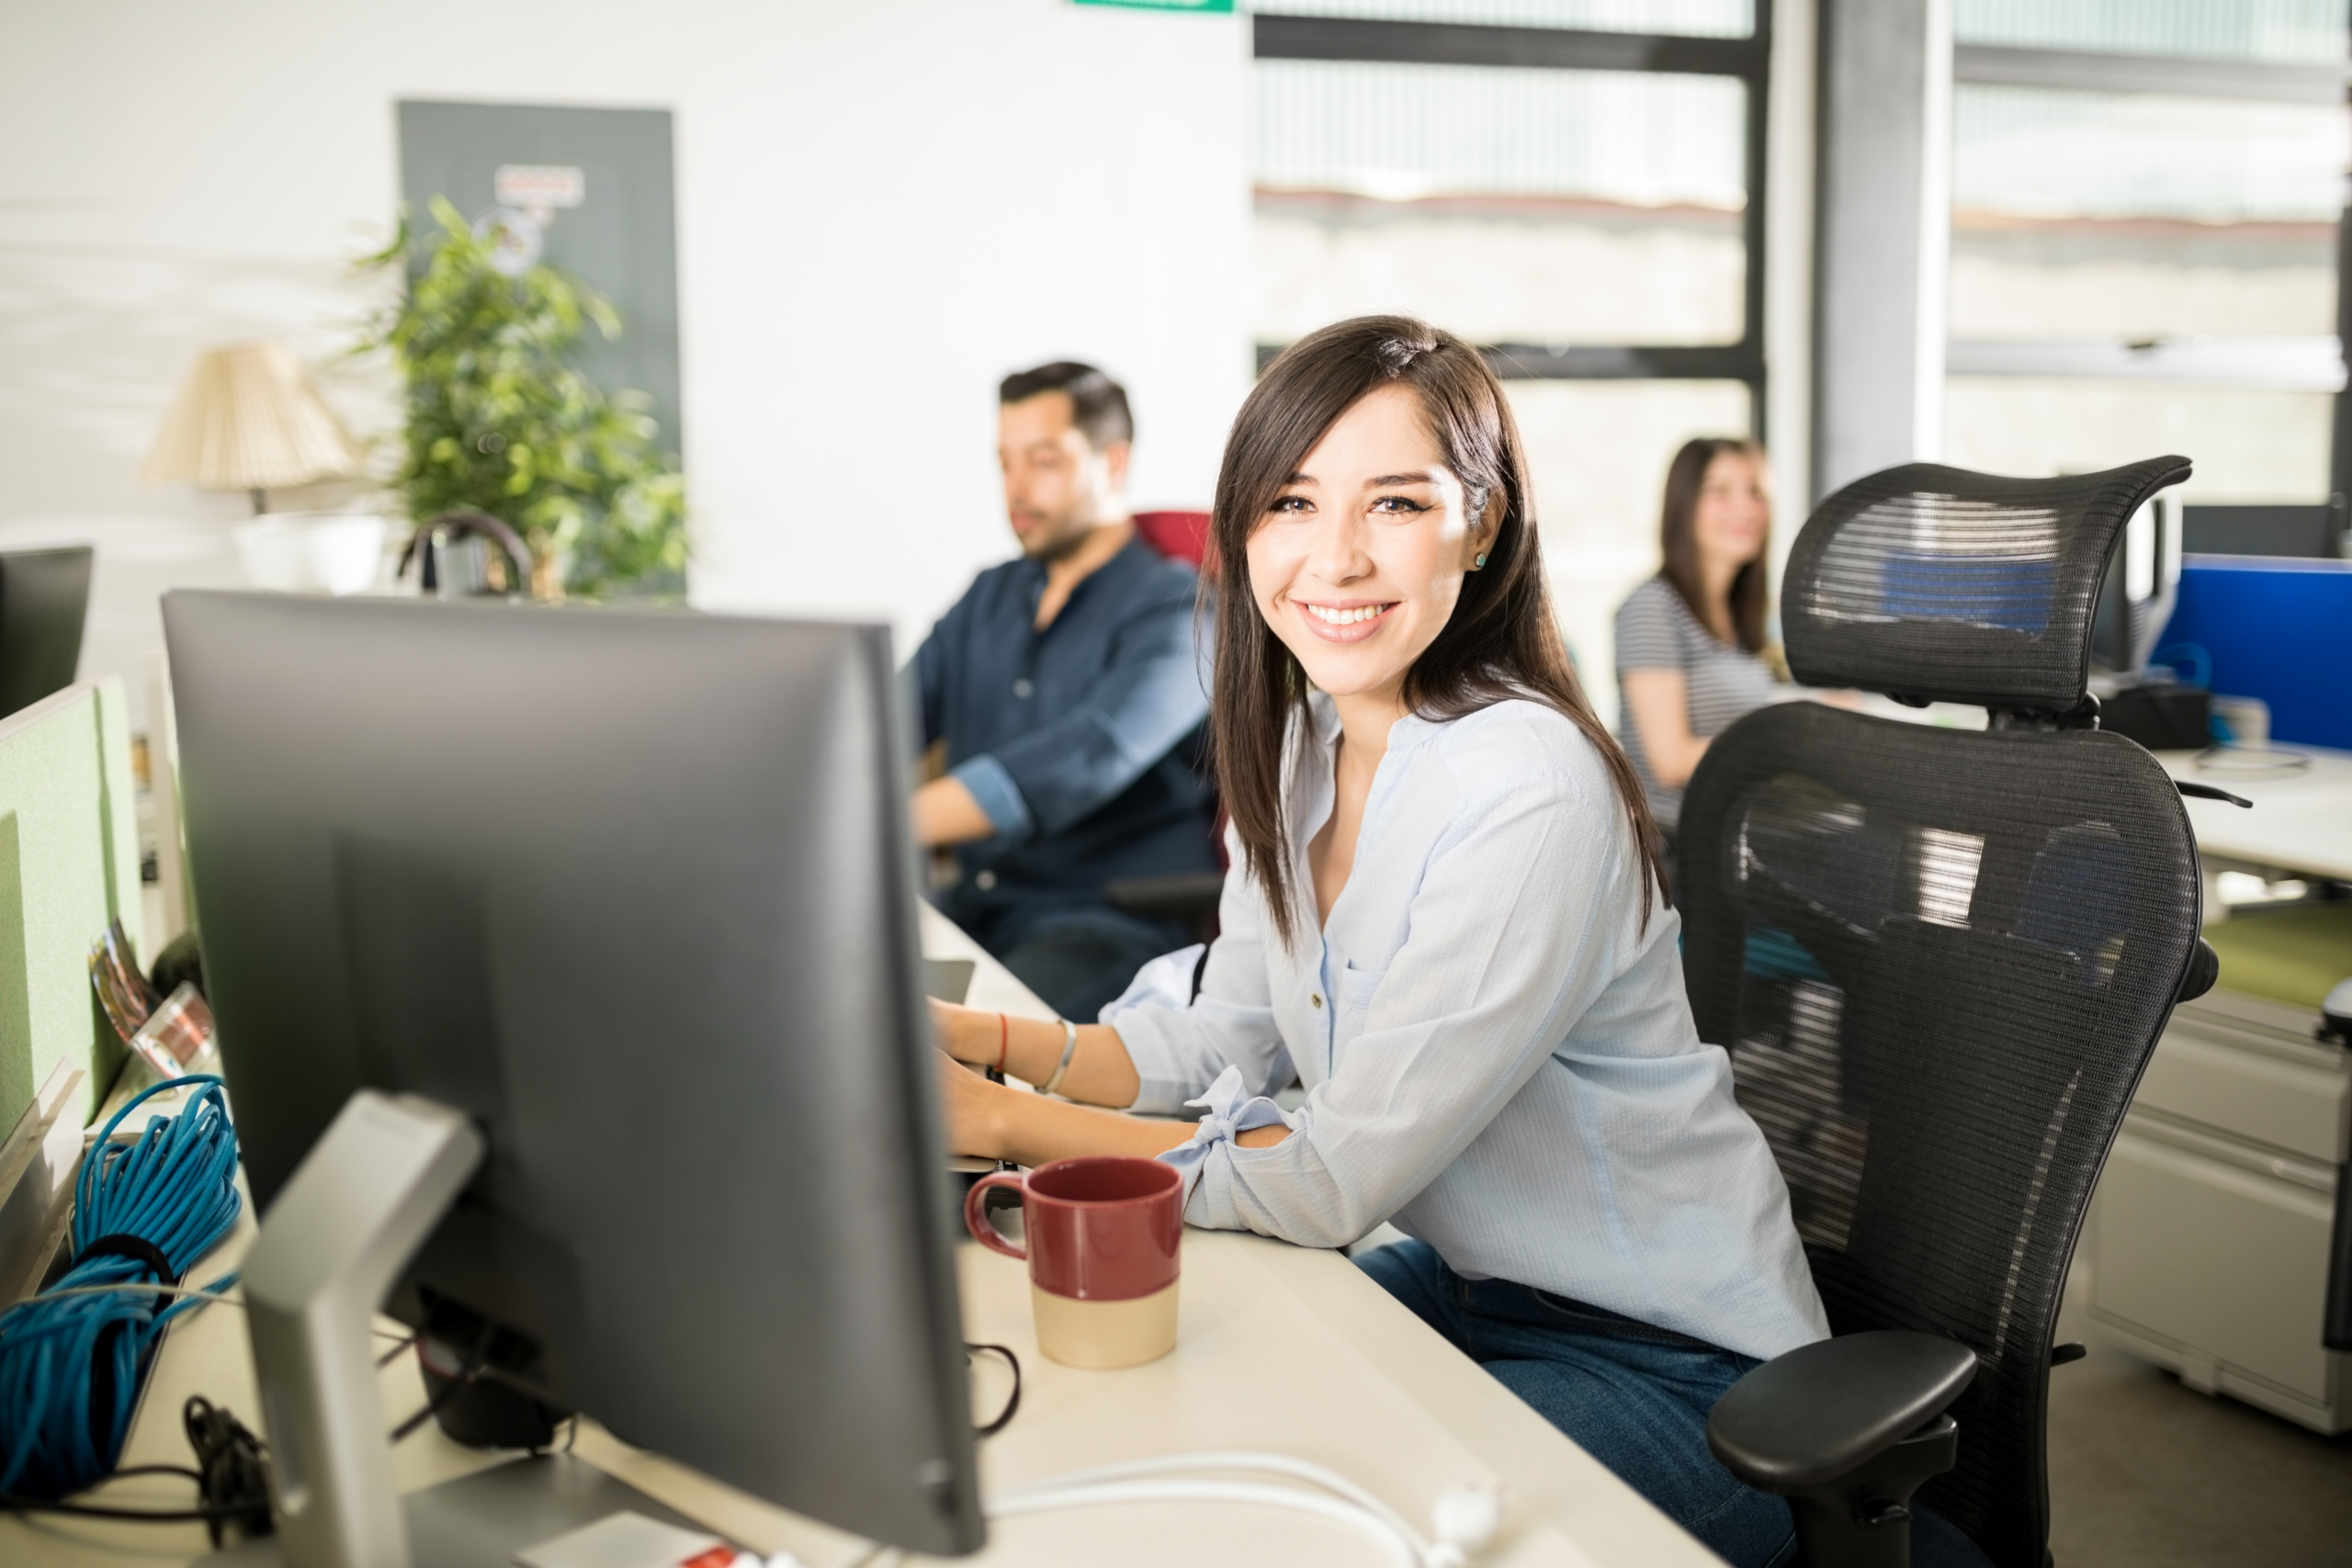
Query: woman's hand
[992, 1121]
[965, 1034]
[968, 1106]
[1100, 1072]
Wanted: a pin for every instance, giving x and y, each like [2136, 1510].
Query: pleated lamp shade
[248, 418]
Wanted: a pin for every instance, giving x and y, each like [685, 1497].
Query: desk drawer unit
[2270, 1092]
[2209, 1248]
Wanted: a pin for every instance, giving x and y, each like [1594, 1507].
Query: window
[2145, 208]
[1599, 451]
[1700, 19]
[1573, 185]
[1541, 208]
[2285, 32]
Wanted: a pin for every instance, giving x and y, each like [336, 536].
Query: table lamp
[248, 418]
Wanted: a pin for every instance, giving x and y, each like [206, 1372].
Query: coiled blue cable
[70, 1363]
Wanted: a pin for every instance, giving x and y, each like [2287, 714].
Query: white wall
[883, 206]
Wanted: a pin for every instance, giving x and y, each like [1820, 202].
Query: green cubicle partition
[69, 863]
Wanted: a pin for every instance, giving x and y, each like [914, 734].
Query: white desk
[1279, 1347]
[2301, 820]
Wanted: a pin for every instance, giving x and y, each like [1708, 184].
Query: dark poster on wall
[595, 187]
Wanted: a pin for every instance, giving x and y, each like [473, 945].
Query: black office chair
[44, 596]
[1941, 959]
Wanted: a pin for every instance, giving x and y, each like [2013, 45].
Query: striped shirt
[1498, 1052]
[1655, 631]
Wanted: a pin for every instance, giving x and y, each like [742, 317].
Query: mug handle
[976, 1222]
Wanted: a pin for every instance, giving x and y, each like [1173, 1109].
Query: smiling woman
[1394, 566]
[1443, 919]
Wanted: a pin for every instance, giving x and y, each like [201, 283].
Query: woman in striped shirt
[1690, 641]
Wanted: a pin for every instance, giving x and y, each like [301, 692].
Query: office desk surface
[1280, 1348]
[2301, 820]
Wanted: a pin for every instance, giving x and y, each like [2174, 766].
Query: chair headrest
[1939, 584]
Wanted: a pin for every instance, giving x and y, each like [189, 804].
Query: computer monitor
[44, 595]
[2316, 530]
[2137, 593]
[635, 891]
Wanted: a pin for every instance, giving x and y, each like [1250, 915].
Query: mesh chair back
[1940, 958]
[1935, 583]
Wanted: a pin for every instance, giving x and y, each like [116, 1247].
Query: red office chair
[1179, 536]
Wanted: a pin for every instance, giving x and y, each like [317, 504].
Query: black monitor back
[44, 596]
[2315, 530]
[634, 889]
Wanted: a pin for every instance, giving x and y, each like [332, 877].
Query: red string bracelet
[1003, 1039]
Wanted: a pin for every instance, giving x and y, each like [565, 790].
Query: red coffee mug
[1102, 1241]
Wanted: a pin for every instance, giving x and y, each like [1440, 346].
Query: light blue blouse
[1500, 1057]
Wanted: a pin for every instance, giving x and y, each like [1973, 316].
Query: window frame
[2184, 76]
[1382, 41]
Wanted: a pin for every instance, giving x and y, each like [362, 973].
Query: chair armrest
[2204, 968]
[1185, 898]
[1814, 1416]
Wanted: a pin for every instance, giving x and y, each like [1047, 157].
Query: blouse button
[1316, 998]
[1021, 687]
[987, 880]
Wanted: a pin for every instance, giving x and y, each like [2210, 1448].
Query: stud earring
[1480, 561]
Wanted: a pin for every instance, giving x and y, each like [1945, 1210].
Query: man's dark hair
[1097, 404]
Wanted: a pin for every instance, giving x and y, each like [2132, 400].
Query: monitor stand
[360, 1204]
[481, 1520]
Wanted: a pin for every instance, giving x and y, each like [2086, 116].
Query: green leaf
[578, 472]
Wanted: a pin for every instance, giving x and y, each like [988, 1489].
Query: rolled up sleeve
[998, 796]
[1513, 934]
[1149, 695]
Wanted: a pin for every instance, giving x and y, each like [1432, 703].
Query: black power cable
[1004, 1417]
[231, 1475]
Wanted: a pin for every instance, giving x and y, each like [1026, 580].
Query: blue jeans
[1634, 1397]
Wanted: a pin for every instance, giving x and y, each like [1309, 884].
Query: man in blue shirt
[1072, 697]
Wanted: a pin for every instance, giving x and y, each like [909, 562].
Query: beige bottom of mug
[1104, 1335]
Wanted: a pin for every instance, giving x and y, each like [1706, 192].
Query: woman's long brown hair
[1501, 642]
[1677, 537]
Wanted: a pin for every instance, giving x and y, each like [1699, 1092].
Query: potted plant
[502, 423]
